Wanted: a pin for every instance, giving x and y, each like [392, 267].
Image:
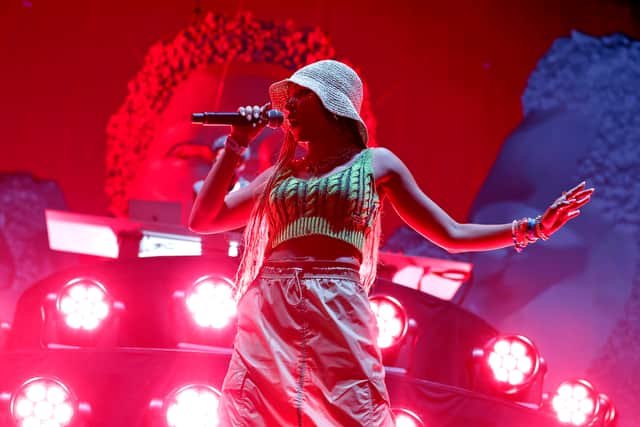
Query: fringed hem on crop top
[342, 205]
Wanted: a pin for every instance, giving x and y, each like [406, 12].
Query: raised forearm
[211, 196]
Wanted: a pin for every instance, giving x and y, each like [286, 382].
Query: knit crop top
[341, 205]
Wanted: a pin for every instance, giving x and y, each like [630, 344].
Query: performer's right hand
[245, 134]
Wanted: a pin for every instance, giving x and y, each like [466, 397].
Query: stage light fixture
[510, 365]
[190, 405]
[205, 314]
[210, 302]
[47, 402]
[577, 402]
[82, 313]
[397, 333]
[406, 418]
[83, 304]
[392, 320]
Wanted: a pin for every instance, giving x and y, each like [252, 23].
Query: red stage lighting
[79, 314]
[46, 402]
[210, 302]
[205, 314]
[577, 403]
[514, 366]
[190, 405]
[406, 418]
[83, 304]
[392, 320]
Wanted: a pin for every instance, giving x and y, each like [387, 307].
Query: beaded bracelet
[523, 232]
[527, 230]
[519, 242]
[234, 146]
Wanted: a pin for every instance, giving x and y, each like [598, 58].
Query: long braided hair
[257, 233]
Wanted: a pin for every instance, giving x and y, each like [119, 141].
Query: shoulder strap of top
[367, 161]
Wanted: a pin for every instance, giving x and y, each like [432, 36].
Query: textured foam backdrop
[578, 295]
[24, 250]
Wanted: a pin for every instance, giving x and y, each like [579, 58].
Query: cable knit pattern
[342, 205]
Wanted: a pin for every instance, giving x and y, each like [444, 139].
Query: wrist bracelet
[234, 146]
[524, 231]
[519, 243]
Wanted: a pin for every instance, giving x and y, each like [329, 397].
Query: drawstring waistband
[294, 271]
[307, 262]
[296, 282]
[310, 268]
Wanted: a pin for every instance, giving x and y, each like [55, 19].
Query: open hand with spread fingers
[565, 208]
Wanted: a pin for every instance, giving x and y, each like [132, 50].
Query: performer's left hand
[565, 208]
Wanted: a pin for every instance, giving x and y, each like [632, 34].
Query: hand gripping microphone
[272, 118]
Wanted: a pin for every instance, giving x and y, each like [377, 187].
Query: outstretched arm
[422, 214]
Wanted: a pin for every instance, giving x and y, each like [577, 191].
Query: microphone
[273, 119]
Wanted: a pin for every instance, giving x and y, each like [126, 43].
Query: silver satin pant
[305, 353]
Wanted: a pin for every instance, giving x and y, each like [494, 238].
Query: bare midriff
[315, 247]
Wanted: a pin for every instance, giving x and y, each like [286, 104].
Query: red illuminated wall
[445, 77]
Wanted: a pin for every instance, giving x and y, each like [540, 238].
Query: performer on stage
[305, 352]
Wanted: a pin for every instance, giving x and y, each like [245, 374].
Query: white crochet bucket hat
[337, 85]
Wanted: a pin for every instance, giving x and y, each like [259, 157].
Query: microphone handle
[215, 119]
[274, 119]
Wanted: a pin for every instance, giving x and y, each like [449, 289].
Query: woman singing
[305, 353]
